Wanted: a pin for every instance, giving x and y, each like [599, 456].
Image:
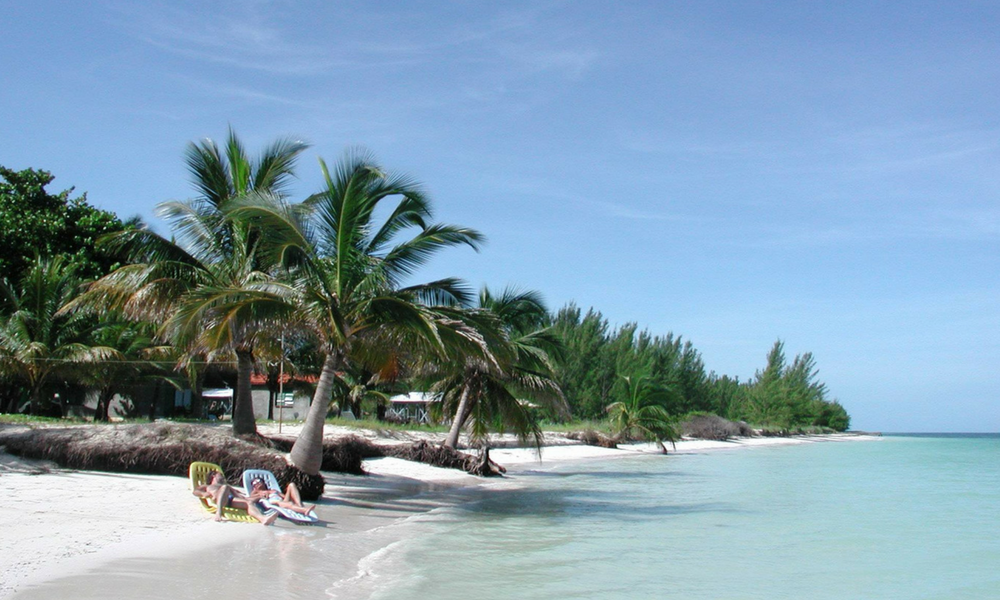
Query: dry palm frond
[156, 449]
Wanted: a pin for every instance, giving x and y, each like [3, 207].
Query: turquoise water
[903, 517]
[914, 518]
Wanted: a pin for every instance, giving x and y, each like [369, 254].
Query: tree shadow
[578, 503]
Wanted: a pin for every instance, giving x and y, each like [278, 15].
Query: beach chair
[272, 484]
[198, 473]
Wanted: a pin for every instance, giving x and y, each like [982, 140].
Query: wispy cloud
[243, 93]
[540, 190]
[953, 225]
[245, 39]
[828, 148]
[915, 146]
[512, 42]
[621, 210]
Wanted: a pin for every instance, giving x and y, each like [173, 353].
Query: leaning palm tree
[37, 342]
[210, 290]
[502, 391]
[350, 269]
[642, 416]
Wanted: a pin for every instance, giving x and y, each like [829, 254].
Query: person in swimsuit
[225, 495]
[291, 499]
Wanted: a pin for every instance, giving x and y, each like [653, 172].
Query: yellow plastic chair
[198, 473]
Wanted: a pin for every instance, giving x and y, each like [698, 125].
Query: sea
[914, 517]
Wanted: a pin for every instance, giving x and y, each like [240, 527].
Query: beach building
[287, 399]
[411, 408]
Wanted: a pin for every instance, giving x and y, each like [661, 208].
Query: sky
[735, 173]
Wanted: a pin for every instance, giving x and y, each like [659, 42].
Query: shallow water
[898, 518]
[903, 517]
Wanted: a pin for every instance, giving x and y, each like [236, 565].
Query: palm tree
[37, 342]
[211, 291]
[642, 416]
[135, 358]
[361, 389]
[497, 391]
[350, 274]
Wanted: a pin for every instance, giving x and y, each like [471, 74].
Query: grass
[367, 423]
[375, 425]
[603, 426]
[19, 419]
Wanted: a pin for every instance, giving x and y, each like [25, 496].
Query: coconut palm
[351, 270]
[642, 416]
[135, 357]
[210, 290]
[501, 391]
[37, 342]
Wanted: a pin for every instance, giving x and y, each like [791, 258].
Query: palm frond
[450, 291]
[276, 164]
[209, 174]
[238, 165]
[405, 258]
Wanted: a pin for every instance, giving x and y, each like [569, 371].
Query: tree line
[601, 363]
[251, 277]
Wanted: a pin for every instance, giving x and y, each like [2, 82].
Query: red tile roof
[261, 379]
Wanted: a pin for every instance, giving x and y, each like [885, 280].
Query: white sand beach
[64, 522]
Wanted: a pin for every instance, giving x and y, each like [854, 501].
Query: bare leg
[293, 496]
[221, 500]
[305, 510]
[253, 511]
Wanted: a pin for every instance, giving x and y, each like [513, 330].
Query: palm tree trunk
[197, 402]
[244, 422]
[307, 453]
[34, 397]
[272, 397]
[103, 409]
[154, 401]
[460, 415]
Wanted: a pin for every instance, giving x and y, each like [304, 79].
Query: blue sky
[732, 172]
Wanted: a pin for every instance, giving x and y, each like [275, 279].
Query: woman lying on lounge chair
[291, 499]
[225, 495]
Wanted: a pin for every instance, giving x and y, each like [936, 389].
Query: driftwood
[713, 427]
[593, 438]
[345, 455]
[449, 458]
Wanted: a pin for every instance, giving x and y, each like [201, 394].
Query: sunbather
[225, 495]
[291, 499]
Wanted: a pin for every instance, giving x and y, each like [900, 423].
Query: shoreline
[68, 523]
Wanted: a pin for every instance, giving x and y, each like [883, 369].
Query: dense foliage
[600, 360]
[34, 222]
